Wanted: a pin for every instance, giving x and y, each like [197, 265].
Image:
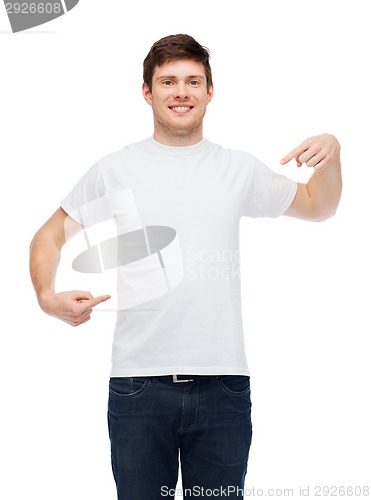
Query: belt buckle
[175, 379]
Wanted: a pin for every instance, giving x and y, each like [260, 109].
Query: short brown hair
[172, 48]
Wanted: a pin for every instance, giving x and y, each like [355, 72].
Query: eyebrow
[173, 77]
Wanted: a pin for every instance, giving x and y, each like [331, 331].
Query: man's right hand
[74, 307]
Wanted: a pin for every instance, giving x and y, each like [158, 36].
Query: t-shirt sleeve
[269, 194]
[86, 201]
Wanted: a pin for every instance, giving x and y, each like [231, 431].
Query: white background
[71, 93]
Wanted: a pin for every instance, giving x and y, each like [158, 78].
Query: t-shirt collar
[178, 151]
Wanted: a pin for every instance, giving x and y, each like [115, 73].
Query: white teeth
[180, 109]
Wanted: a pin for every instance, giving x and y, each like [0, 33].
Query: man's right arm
[73, 307]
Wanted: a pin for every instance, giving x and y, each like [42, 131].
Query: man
[179, 381]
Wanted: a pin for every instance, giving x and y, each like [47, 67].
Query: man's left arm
[319, 198]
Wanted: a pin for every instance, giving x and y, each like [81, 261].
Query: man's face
[179, 98]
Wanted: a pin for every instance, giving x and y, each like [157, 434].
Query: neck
[179, 138]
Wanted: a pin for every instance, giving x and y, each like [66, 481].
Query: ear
[210, 93]
[147, 93]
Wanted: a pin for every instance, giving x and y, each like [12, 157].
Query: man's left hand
[317, 152]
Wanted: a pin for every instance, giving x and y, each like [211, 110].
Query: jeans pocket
[128, 387]
[234, 385]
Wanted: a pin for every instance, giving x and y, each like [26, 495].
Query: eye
[167, 82]
[194, 83]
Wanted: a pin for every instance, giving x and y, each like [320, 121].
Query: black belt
[183, 378]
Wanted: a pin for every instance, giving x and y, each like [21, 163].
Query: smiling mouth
[181, 109]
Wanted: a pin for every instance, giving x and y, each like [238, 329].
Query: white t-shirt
[176, 252]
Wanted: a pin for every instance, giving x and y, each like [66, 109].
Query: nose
[181, 91]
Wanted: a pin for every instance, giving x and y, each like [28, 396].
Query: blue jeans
[207, 422]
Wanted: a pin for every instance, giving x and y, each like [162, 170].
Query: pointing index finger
[96, 300]
[295, 153]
